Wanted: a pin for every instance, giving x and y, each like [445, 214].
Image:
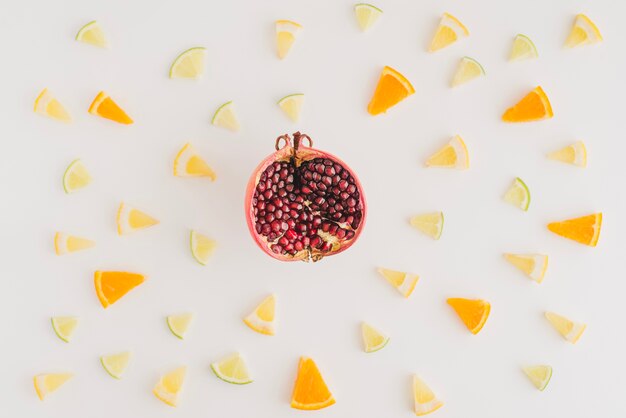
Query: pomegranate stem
[297, 138]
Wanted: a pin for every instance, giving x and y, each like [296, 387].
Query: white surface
[320, 305]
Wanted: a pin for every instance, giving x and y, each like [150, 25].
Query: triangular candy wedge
[534, 106]
[105, 107]
[392, 88]
[189, 163]
[585, 230]
[310, 391]
[112, 285]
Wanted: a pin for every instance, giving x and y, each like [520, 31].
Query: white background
[320, 305]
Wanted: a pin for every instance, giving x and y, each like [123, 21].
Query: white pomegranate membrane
[303, 203]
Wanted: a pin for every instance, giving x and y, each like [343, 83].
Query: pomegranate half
[303, 203]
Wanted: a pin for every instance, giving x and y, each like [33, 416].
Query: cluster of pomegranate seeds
[313, 206]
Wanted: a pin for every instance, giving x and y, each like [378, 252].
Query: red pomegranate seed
[316, 241]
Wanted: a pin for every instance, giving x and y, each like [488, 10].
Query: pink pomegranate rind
[304, 204]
